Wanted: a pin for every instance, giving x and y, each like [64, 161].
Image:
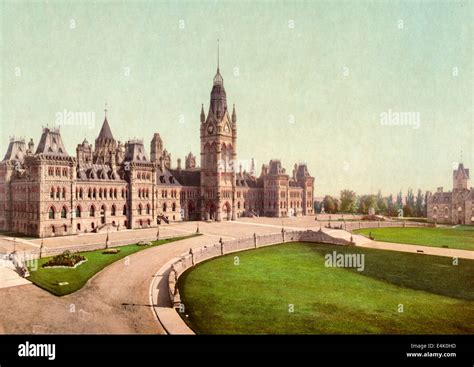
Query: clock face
[210, 129]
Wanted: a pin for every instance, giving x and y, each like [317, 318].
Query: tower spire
[218, 55]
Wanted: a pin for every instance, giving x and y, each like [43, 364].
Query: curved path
[117, 299]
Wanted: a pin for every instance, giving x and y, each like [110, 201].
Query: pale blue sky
[332, 74]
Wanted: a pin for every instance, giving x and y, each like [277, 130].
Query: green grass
[49, 278]
[461, 237]
[254, 296]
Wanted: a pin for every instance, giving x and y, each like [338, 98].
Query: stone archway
[227, 211]
[211, 211]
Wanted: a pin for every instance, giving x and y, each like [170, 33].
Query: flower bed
[66, 259]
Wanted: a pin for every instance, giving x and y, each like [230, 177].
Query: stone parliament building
[47, 192]
[453, 207]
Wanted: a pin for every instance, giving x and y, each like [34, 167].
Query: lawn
[257, 295]
[49, 278]
[460, 237]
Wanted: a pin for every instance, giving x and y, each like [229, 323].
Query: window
[173, 207]
[78, 212]
[92, 212]
[52, 193]
[51, 213]
[64, 192]
[112, 210]
[140, 209]
[148, 208]
[124, 212]
[58, 192]
[63, 212]
[164, 207]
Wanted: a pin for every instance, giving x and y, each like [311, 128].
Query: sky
[370, 94]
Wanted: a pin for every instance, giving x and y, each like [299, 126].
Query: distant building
[456, 207]
[47, 192]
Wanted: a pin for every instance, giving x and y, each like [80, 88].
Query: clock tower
[218, 155]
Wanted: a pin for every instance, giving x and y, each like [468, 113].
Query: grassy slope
[254, 296]
[459, 237]
[48, 278]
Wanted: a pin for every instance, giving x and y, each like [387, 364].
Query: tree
[419, 204]
[367, 202]
[381, 203]
[399, 200]
[391, 208]
[348, 201]
[331, 205]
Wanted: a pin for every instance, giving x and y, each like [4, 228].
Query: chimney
[179, 164]
[440, 189]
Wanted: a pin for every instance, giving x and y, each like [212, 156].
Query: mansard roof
[442, 197]
[97, 172]
[302, 171]
[135, 152]
[245, 179]
[16, 150]
[187, 177]
[51, 143]
[276, 168]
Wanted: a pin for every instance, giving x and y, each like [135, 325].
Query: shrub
[111, 251]
[67, 258]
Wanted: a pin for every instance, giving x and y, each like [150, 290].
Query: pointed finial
[461, 157]
[218, 54]
[105, 109]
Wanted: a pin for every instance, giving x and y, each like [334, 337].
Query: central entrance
[211, 211]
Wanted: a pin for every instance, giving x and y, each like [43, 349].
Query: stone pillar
[254, 240]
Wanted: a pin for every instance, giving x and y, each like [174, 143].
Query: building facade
[456, 206]
[110, 185]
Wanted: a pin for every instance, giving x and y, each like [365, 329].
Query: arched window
[58, 193]
[115, 193]
[52, 193]
[140, 209]
[64, 192]
[100, 193]
[111, 193]
[78, 211]
[446, 211]
[51, 212]
[164, 207]
[64, 212]
[148, 208]
[81, 192]
[112, 210]
[124, 212]
[95, 193]
[173, 207]
[92, 211]
[123, 193]
[89, 193]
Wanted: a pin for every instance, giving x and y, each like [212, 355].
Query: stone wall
[225, 247]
